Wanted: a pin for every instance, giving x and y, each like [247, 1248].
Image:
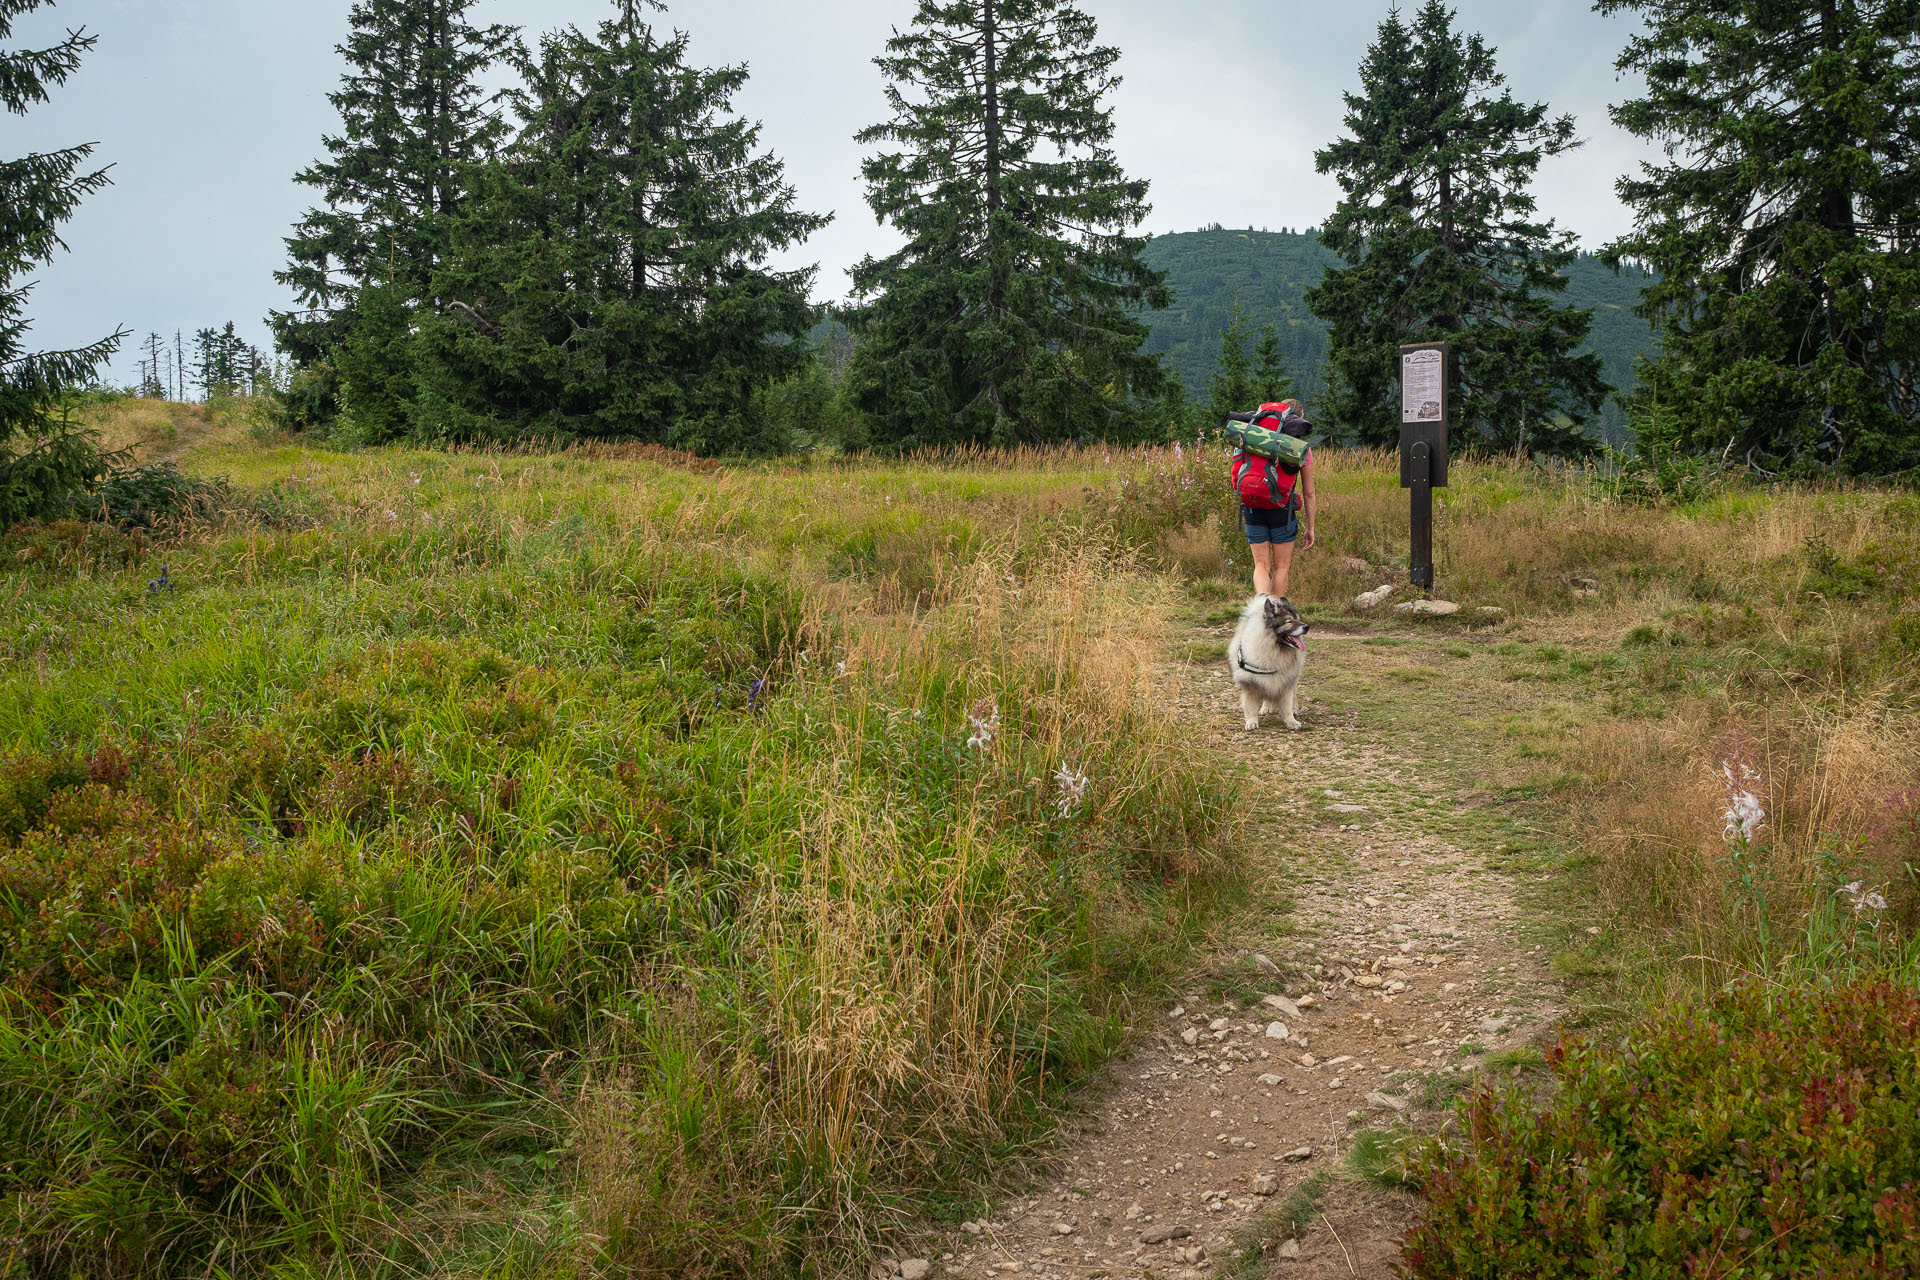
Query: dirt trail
[1406, 951]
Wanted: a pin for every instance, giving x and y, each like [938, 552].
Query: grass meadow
[566, 864]
[608, 863]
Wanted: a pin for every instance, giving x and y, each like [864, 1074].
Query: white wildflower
[1179, 454]
[1073, 790]
[1863, 900]
[841, 668]
[1744, 812]
[391, 516]
[416, 479]
[984, 727]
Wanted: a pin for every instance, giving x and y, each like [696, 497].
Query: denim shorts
[1265, 525]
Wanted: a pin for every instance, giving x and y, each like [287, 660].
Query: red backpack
[1262, 483]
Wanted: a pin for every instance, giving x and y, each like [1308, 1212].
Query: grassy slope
[567, 865]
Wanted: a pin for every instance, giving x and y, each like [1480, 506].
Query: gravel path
[1395, 976]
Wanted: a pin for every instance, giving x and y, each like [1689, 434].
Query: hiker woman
[1272, 493]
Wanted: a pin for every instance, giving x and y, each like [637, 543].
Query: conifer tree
[231, 369]
[206, 360]
[1232, 388]
[220, 361]
[40, 455]
[1439, 226]
[1271, 381]
[1012, 311]
[414, 117]
[1784, 228]
[609, 278]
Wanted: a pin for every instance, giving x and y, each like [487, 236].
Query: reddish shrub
[86, 895]
[1758, 1134]
[27, 783]
[371, 791]
[109, 767]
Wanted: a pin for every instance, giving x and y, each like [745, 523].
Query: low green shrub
[1765, 1132]
[141, 497]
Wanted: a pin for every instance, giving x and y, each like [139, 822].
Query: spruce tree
[1270, 378]
[1439, 228]
[414, 118]
[41, 454]
[609, 277]
[206, 360]
[1012, 313]
[1232, 388]
[219, 361]
[1784, 228]
[231, 369]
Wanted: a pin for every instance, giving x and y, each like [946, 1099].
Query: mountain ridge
[1271, 271]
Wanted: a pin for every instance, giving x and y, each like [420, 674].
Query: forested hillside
[1270, 272]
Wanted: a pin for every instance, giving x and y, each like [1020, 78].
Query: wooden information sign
[1425, 384]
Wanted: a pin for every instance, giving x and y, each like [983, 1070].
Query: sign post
[1423, 445]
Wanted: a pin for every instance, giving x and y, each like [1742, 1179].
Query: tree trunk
[636, 244]
[433, 185]
[1836, 212]
[990, 79]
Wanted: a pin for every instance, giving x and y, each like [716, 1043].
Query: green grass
[1382, 1157]
[1202, 652]
[1523, 1060]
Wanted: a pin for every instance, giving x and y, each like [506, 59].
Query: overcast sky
[207, 108]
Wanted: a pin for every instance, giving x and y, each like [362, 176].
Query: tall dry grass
[1835, 783]
[899, 981]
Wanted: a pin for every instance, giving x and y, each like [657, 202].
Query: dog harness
[1240, 657]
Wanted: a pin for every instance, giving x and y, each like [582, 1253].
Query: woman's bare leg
[1262, 553]
[1280, 572]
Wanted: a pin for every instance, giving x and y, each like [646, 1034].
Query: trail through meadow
[1381, 967]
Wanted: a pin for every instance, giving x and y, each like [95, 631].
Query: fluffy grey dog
[1266, 659]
